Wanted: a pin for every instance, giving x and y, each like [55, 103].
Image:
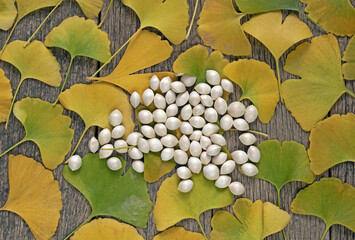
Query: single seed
[135, 99]
[198, 110]
[205, 142]
[227, 85]
[213, 150]
[182, 99]
[247, 139]
[183, 173]
[221, 106]
[203, 88]
[172, 123]
[236, 188]
[180, 157]
[195, 135]
[145, 117]
[169, 141]
[228, 167]
[186, 112]
[74, 162]
[114, 163]
[239, 156]
[206, 100]
[159, 101]
[94, 145]
[115, 118]
[220, 158]
[240, 124]
[209, 129]
[165, 84]
[216, 92]
[132, 138]
[159, 116]
[178, 87]
[143, 145]
[236, 109]
[121, 144]
[195, 149]
[194, 165]
[194, 98]
[249, 169]
[211, 172]
[218, 139]
[205, 159]
[213, 77]
[184, 143]
[254, 154]
[148, 96]
[160, 129]
[118, 132]
[154, 83]
[211, 115]
[104, 136]
[105, 153]
[197, 122]
[170, 97]
[226, 122]
[188, 80]
[186, 128]
[155, 145]
[251, 113]
[167, 154]
[172, 110]
[138, 166]
[185, 186]
[135, 153]
[148, 131]
[223, 181]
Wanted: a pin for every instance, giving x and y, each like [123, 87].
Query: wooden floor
[120, 25]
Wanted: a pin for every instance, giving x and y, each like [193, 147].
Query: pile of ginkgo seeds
[200, 116]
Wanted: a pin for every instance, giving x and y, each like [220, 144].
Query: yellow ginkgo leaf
[178, 233]
[8, 14]
[5, 96]
[91, 8]
[170, 17]
[349, 58]
[319, 65]
[25, 7]
[106, 229]
[219, 27]
[95, 102]
[253, 221]
[139, 55]
[34, 195]
[259, 85]
[337, 17]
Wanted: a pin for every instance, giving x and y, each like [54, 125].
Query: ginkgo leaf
[349, 58]
[25, 7]
[329, 199]
[340, 15]
[109, 192]
[259, 85]
[319, 65]
[332, 142]
[173, 206]
[170, 17]
[178, 233]
[34, 195]
[95, 102]
[155, 168]
[107, 229]
[5, 96]
[138, 56]
[219, 27]
[8, 14]
[195, 61]
[91, 8]
[253, 221]
[282, 164]
[258, 6]
[46, 127]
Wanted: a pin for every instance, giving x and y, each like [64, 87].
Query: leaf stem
[118, 148]
[279, 203]
[77, 145]
[8, 150]
[114, 55]
[200, 225]
[279, 78]
[314, 22]
[192, 20]
[12, 103]
[88, 219]
[103, 19]
[325, 232]
[40, 26]
[260, 133]
[65, 80]
[350, 93]
[8, 38]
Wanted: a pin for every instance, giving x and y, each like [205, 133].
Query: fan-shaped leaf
[25, 7]
[319, 65]
[5, 96]
[254, 221]
[195, 61]
[111, 194]
[155, 168]
[219, 27]
[8, 14]
[258, 6]
[349, 58]
[173, 206]
[34, 195]
[329, 199]
[259, 85]
[107, 229]
[332, 142]
[91, 8]
[178, 233]
[170, 17]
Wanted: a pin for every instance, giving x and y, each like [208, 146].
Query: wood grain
[120, 24]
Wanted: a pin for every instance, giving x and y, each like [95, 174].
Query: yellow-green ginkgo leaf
[340, 15]
[34, 195]
[252, 221]
[195, 61]
[138, 56]
[35, 61]
[332, 142]
[178, 233]
[259, 85]
[329, 199]
[5, 96]
[258, 6]
[8, 14]
[173, 206]
[171, 17]
[319, 65]
[219, 27]
[349, 58]
[91, 8]
[95, 102]
[107, 229]
[45, 126]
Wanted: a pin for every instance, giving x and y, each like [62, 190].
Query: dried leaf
[219, 27]
[195, 61]
[91, 8]
[138, 56]
[258, 6]
[25, 7]
[8, 14]
[349, 58]
[34, 195]
[259, 85]
[5, 96]
[340, 15]
[173, 206]
[111, 194]
[332, 142]
[170, 17]
[282, 164]
[107, 229]
[329, 199]
[254, 221]
[178, 233]
[319, 65]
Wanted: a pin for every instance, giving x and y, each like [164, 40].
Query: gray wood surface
[120, 25]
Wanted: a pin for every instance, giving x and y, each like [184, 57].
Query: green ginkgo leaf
[258, 6]
[47, 127]
[349, 57]
[8, 14]
[109, 192]
[329, 199]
